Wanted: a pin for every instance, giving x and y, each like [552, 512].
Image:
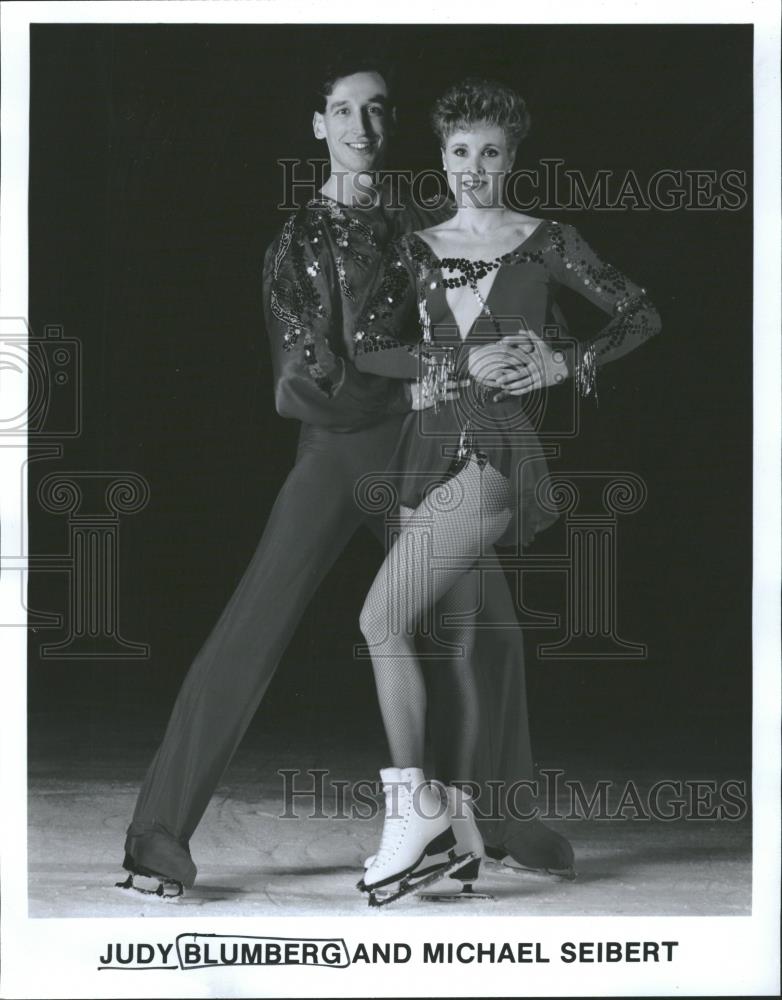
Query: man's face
[355, 123]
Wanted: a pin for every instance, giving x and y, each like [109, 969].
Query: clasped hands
[517, 364]
[513, 365]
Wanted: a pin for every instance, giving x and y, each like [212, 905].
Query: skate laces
[395, 820]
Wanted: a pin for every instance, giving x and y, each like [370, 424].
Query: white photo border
[717, 955]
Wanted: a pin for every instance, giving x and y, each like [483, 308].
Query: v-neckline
[439, 265]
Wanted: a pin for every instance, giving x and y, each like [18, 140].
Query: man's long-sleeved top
[316, 276]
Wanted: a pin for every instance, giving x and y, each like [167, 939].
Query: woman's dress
[407, 327]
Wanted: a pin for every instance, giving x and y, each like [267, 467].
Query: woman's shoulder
[522, 219]
[525, 226]
[439, 227]
[528, 224]
[434, 235]
[546, 234]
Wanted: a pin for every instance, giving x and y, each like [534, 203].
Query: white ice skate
[418, 843]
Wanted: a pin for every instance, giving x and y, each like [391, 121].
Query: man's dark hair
[346, 63]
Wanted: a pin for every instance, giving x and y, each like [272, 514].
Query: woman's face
[476, 162]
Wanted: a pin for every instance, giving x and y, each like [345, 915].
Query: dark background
[153, 186]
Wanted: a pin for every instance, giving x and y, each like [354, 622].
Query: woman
[469, 468]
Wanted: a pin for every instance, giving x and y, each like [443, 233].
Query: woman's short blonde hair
[477, 101]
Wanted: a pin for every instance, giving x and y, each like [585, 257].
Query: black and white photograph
[390, 493]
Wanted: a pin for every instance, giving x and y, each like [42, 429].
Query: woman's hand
[518, 363]
[491, 362]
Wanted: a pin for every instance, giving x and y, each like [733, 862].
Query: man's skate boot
[418, 843]
[531, 847]
[460, 884]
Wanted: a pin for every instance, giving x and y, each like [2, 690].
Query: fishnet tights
[428, 562]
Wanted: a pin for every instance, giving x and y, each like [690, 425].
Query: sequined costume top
[525, 294]
[316, 275]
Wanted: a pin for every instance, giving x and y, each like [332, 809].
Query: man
[315, 275]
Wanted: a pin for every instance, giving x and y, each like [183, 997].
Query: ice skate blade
[166, 890]
[412, 877]
[565, 874]
[467, 895]
[379, 897]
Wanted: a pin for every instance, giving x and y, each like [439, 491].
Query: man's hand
[517, 364]
[425, 397]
